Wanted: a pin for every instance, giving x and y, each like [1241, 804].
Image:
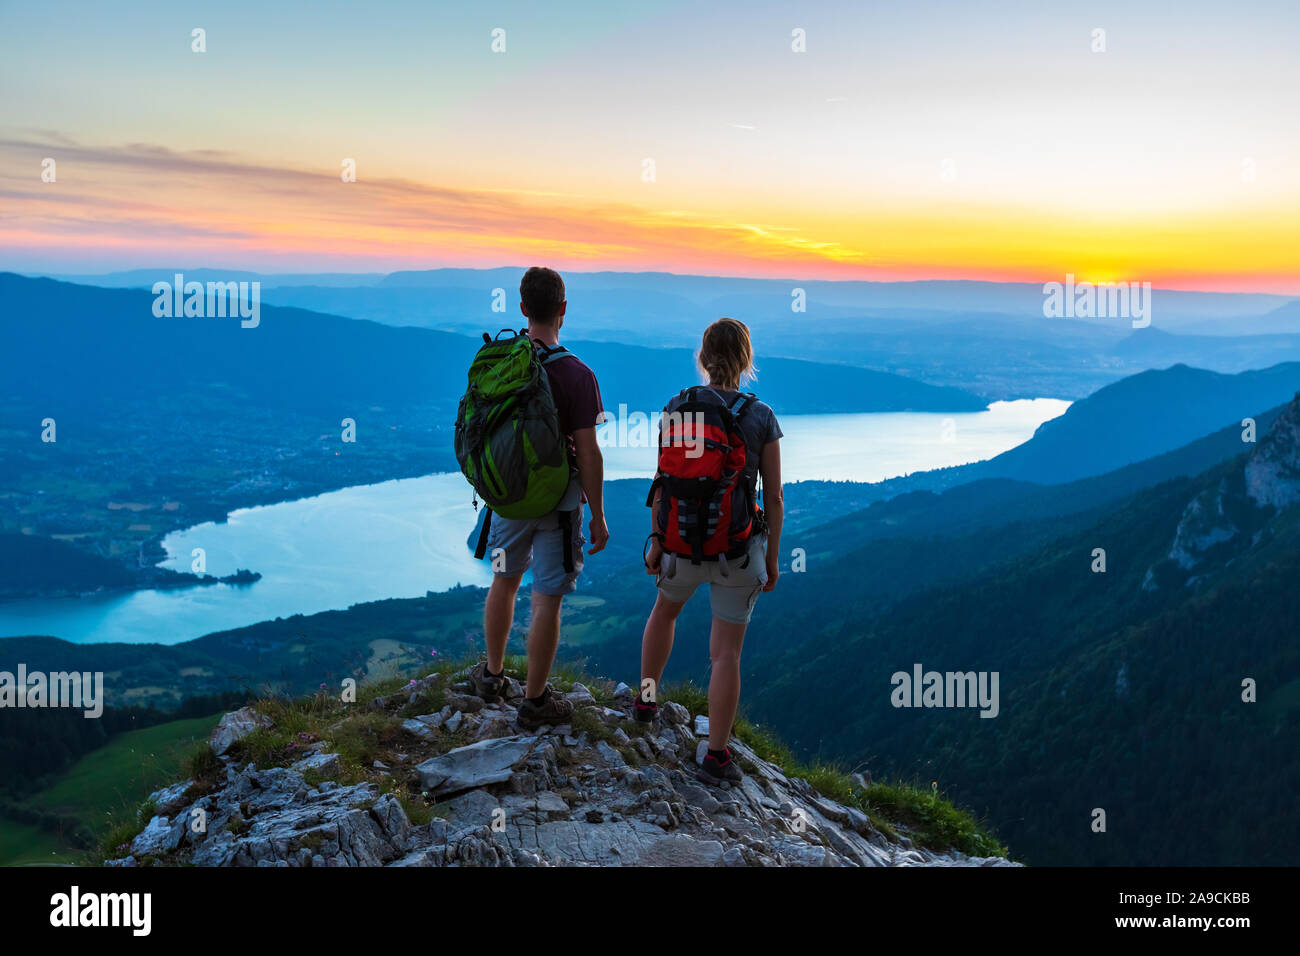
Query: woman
[745, 560]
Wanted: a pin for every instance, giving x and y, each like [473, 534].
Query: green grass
[23, 845]
[930, 820]
[105, 788]
[690, 695]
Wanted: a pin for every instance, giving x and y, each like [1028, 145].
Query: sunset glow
[906, 143]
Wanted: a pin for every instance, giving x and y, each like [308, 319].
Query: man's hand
[598, 534]
[654, 556]
[773, 571]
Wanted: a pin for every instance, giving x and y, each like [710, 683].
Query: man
[542, 543]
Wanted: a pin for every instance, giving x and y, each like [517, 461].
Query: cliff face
[1232, 516]
[1273, 470]
[580, 794]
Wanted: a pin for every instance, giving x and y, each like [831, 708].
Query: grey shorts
[731, 596]
[515, 545]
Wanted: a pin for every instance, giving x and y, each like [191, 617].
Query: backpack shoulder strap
[742, 404]
[549, 354]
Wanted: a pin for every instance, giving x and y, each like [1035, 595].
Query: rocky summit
[601, 791]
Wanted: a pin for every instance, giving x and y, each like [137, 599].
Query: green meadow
[102, 787]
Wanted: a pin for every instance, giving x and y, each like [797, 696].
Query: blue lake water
[403, 538]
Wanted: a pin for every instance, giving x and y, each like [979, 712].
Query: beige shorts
[733, 595]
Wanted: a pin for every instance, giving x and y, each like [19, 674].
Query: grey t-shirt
[758, 424]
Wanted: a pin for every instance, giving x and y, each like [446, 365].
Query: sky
[910, 140]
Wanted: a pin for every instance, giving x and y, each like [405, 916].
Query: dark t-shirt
[576, 394]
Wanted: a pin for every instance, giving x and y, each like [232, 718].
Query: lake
[403, 538]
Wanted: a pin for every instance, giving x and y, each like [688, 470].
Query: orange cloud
[149, 205]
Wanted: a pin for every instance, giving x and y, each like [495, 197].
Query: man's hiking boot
[490, 688]
[550, 708]
[645, 713]
[716, 772]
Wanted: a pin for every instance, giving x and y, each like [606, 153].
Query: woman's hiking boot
[717, 772]
[645, 712]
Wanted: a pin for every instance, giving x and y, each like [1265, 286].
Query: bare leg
[725, 640]
[498, 616]
[543, 639]
[657, 643]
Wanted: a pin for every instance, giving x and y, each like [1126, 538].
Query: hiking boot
[550, 708]
[490, 688]
[716, 772]
[645, 713]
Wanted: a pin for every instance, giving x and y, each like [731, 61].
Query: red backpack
[707, 509]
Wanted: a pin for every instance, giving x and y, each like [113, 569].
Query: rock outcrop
[235, 726]
[1273, 469]
[1231, 517]
[570, 795]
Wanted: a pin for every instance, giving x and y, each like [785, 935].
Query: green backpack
[508, 439]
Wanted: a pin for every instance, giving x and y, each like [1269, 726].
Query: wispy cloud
[142, 203]
[140, 192]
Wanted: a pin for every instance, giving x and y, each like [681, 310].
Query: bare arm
[591, 475]
[769, 467]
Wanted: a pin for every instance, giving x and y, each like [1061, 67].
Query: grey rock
[551, 804]
[529, 800]
[611, 756]
[327, 765]
[474, 808]
[674, 713]
[476, 765]
[170, 799]
[157, 838]
[466, 703]
[580, 696]
[492, 725]
[234, 726]
[420, 728]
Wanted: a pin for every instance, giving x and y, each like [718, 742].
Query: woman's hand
[654, 556]
[773, 572]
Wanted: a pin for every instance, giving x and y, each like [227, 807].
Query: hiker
[536, 521]
[706, 527]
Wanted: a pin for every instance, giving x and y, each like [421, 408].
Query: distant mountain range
[986, 337]
[1193, 416]
[1140, 417]
[767, 297]
[304, 360]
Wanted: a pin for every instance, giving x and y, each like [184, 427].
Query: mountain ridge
[459, 786]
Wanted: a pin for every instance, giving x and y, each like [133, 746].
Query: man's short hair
[542, 293]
